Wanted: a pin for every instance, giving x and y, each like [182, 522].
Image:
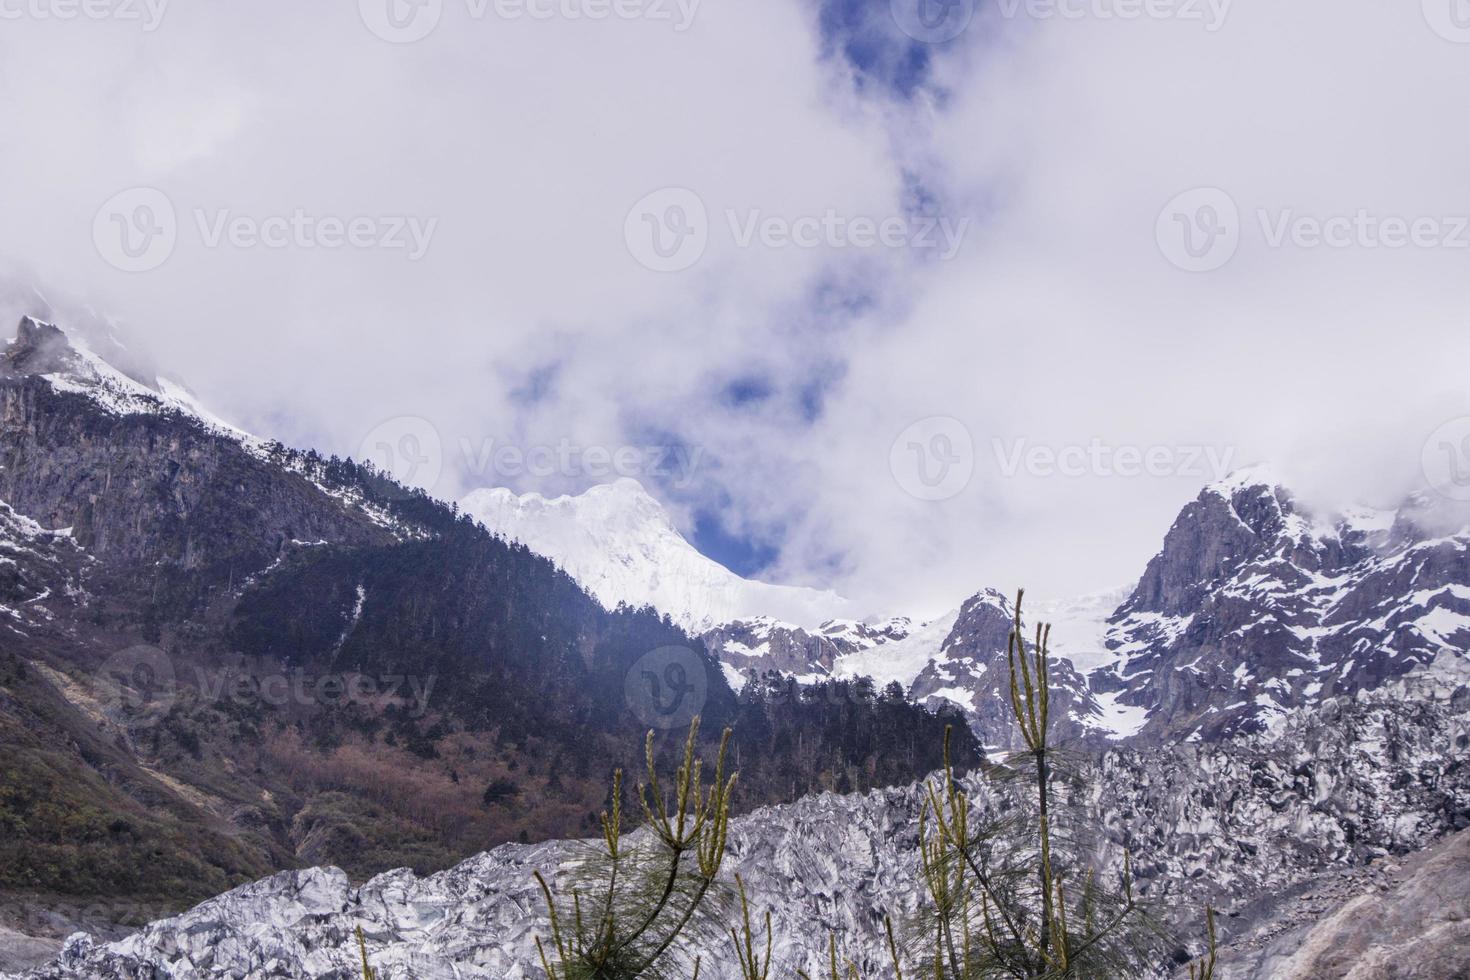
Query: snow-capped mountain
[69, 365]
[1255, 606]
[973, 671]
[957, 660]
[960, 659]
[1277, 830]
[622, 546]
[1252, 607]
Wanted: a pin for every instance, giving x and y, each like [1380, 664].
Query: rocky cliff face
[1255, 606]
[1354, 786]
[40, 573]
[1399, 920]
[767, 644]
[138, 478]
[973, 669]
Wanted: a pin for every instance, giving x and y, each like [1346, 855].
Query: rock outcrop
[1411, 921]
[1255, 606]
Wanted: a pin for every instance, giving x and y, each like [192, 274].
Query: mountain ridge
[1254, 605]
[210, 661]
[1294, 586]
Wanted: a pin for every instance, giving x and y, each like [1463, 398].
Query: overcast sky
[911, 301]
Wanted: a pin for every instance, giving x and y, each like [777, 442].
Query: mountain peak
[38, 348]
[621, 508]
[623, 486]
[1255, 476]
[1255, 603]
[43, 348]
[620, 543]
[626, 496]
[31, 328]
[67, 362]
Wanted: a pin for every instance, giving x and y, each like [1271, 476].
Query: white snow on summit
[899, 660]
[1079, 625]
[117, 392]
[621, 545]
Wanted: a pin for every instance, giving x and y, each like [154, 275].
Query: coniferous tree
[368, 973]
[628, 919]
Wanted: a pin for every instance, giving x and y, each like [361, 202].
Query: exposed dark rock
[974, 665]
[767, 644]
[1255, 606]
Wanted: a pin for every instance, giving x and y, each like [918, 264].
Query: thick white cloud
[527, 140]
[1064, 322]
